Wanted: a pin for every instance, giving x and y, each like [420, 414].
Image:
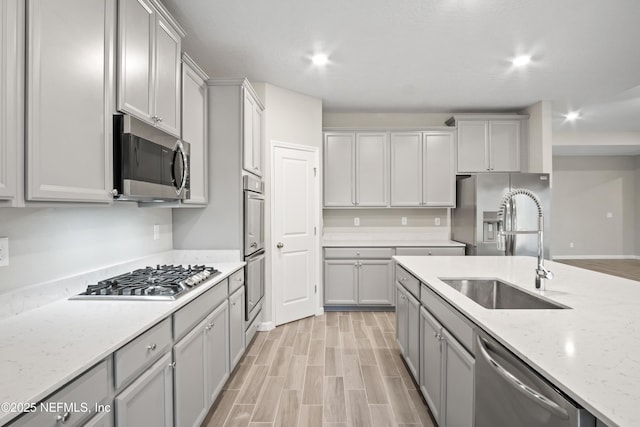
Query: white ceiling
[431, 55]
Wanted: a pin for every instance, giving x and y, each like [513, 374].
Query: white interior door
[294, 221]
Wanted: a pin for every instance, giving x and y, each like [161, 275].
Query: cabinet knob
[114, 192]
[62, 419]
[239, 279]
[172, 365]
[151, 347]
[159, 119]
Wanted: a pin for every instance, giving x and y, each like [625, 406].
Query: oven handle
[527, 391]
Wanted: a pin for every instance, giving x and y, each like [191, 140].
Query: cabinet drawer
[459, 327]
[407, 280]
[131, 359]
[188, 316]
[86, 391]
[236, 280]
[426, 251]
[252, 329]
[351, 253]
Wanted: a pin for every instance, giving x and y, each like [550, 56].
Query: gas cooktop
[160, 283]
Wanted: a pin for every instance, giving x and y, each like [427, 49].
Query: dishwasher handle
[532, 394]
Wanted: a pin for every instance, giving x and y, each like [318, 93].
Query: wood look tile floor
[340, 369]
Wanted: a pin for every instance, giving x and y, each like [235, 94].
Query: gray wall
[51, 243]
[585, 189]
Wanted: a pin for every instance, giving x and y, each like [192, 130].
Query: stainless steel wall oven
[254, 245]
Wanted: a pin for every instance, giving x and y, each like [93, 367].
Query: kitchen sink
[495, 294]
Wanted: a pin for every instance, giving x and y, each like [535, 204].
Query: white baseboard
[596, 257]
[266, 326]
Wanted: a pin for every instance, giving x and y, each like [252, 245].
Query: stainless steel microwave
[148, 164]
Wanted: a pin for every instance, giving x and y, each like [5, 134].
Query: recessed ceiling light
[319, 59]
[572, 115]
[521, 60]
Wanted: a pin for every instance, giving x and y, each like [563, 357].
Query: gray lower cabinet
[191, 394]
[236, 327]
[407, 326]
[148, 401]
[217, 350]
[447, 372]
[340, 282]
[358, 277]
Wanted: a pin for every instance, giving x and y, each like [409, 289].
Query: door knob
[280, 245]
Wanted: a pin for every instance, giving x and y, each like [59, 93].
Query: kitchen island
[591, 352]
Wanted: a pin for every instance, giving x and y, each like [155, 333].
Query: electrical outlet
[156, 232]
[356, 221]
[609, 214]
[404, 220]
[571, 244]
[437, 221]
[4, 251]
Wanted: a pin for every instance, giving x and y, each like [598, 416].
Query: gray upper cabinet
[149, 49]
[422, 169]
[57, 82]
[194, 129]
[252, 135]
[406, 169]
[356, 169]
[339, 169]
[11, 97]
[372, 169]
[488, 145]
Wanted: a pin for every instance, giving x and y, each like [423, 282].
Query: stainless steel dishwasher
[509, 393]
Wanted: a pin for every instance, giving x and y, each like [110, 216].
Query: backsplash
[46, 244]
[387, 218]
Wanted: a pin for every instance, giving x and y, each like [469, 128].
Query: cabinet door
[149, 400]
[401, 318]
[11, 94]
[236, 329]
[372, 169]
[412, 356]
[438, 159]
[248, 110]
[217, 350]
[102, 419]
[339, 169]
[256, 166]
[431, 362]
[504, 148]
[459, 374]
[136, 32]
[167, 78]
[473, 146]
[67, 72]
[406, 169]
[375, 282]
[191, 394]
[194, 131]
[340, 282]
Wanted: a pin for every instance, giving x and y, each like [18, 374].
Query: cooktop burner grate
[165, 282]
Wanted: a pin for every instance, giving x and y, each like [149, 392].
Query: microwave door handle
[185, 165]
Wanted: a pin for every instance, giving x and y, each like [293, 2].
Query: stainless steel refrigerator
[475, 218]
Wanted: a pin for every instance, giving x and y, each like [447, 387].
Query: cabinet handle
[239, 279]
[114, 192]
[429, 252]
[159, 119]
[62, 419]
[234, 304]
[151, 347]
[154, 118]
[172, 365]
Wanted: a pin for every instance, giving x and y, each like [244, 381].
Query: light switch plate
[404, 220]
[4, 251]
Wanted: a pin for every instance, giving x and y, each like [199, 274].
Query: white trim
[320, 311]
[555, 257]
[317, 209]
[266, 326]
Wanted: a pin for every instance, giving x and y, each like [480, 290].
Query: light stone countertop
[591, 351]
[45, 348]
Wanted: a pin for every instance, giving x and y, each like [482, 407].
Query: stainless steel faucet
[541, 272]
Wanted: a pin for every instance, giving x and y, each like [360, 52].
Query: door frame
[316, 208]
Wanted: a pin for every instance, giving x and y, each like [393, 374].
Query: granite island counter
[591, 352]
